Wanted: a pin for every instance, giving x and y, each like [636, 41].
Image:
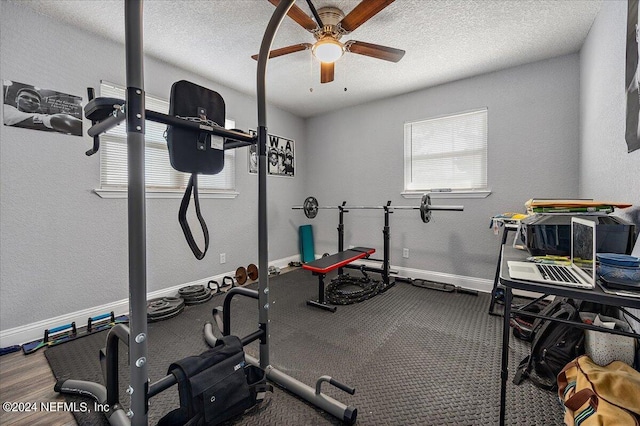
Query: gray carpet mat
[415, 357]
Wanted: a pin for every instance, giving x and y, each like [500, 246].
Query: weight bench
[327, 264]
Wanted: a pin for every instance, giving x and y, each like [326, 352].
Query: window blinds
[447, 152]
[159, 174]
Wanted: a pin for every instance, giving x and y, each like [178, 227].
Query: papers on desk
[541, 205]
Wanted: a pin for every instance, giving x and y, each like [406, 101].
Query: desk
[596, 295]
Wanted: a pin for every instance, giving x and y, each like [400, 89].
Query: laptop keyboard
[557, 273]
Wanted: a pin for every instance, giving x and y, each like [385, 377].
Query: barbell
[311, 207]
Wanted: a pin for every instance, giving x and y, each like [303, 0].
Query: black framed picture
[281, 156]
[31, 107]
[632, 78]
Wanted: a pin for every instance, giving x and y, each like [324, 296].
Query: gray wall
[356, 154]
[607, 171]
[63, 248]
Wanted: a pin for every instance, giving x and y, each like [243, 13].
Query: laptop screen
[583, 245]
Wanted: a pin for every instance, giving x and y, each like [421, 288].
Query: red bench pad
[338, 260]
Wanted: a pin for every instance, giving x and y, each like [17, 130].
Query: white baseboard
[30, 332]
[471, 283]
[34, 331]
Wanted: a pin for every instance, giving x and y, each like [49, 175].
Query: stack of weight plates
[164, 308]
[195, 294]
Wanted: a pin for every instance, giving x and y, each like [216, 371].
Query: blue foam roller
[307, 251]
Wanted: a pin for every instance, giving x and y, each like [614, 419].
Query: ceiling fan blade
[326, 72]
[299, 16]
[374, 50]
[364, 11]
[286, 50]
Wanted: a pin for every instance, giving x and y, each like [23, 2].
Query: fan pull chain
[311, 72]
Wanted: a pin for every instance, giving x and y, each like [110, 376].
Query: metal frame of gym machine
[135, 336]
[385, 271]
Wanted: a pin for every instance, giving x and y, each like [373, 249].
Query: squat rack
[311, 207]
[135, 336]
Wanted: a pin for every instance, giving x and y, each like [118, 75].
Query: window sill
[452, 194]
[150, 193]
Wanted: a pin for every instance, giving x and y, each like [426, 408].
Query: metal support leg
[504, 373]
[320, 303]
[496, 278]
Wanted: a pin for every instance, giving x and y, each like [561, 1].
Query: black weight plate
[163, 306]
[195, 300]
[191, 290]
[310, 207]
[166, 316]
[425, 208]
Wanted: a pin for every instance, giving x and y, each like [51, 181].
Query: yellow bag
[596, 395]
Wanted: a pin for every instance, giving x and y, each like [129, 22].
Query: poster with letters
[47, 110]
[280, 156]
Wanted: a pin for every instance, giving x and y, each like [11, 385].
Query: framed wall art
[281, 156]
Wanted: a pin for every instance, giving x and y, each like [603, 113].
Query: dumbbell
[241, 276]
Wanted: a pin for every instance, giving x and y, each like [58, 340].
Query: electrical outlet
[405, 253]
[223, 258]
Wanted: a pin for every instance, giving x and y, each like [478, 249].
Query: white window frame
[414, 140]
[156, 142]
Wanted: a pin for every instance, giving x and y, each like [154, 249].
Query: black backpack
[522, 322]
[553, 345]
[215, 385]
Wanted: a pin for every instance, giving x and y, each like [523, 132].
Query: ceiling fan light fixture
[328, 50]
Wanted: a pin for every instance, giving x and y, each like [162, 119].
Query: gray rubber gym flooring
[415, 357]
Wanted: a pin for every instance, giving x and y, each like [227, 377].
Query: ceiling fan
[329, 26]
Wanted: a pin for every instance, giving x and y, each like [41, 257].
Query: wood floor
[28, 379]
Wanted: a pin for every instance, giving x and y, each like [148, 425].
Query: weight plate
[310, 207]
[196, 300]
[252, 272]
[241, 275]
[191, 290]
[164, 307]
[167, 316]
[425, 208]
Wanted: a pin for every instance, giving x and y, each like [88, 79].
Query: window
[161, 178]
[446, 154]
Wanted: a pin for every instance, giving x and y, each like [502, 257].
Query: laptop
[582, 270]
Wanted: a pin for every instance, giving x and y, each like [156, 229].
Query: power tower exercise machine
[135, 335]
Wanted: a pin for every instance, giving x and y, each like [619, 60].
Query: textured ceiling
[444, 40]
